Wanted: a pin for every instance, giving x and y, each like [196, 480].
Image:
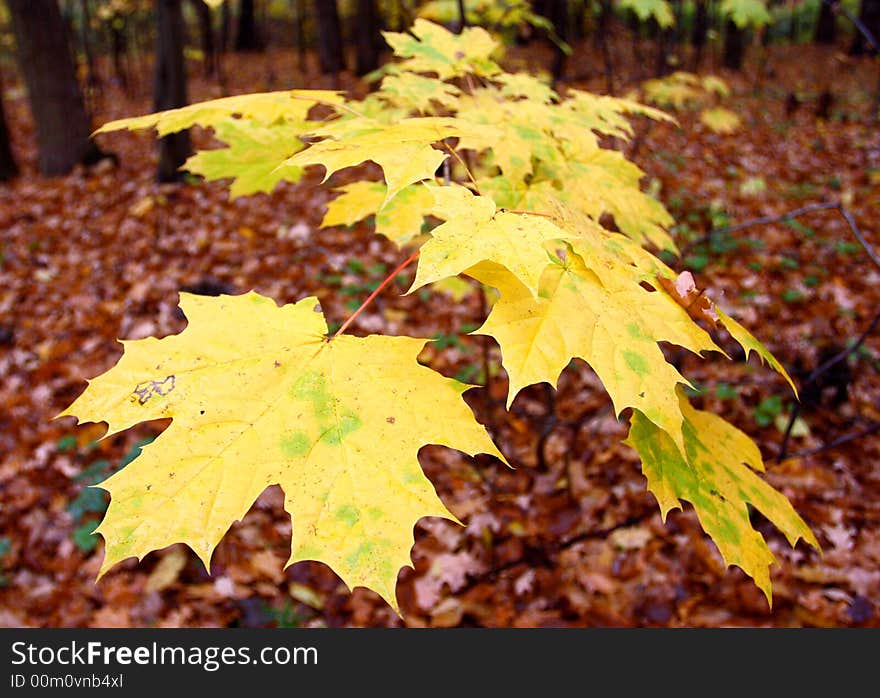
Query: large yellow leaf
[714, 475]
[400, 220]
[258, 395]
[614, 328]
[262, 107]
[251, 160]
[403, 150]
[430, 48]
[475, 232]
[607, 182]
[416, 92]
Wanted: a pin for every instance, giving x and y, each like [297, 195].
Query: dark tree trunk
[330, 55]
[734, 46]
[366, 36]
[557, 12]
[300, 8]
[826, 25]
[119, 47]
[206, 32]
[247, 38]
[662, 64]
[85, 38]
[170, 86]
[56, 100]
[869, 16]
[698, 35]
[225, 25]
[606, 17]
[8, 167]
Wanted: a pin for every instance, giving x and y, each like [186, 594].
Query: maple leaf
[613, 324]
[607, 182]
[679, 90]
[416, 92]
[403, 149]
[607, 115]
[475, 231]
[720, 120]
[259, 396]
[430, 48]
[262, 107]
[659, 10]
[715, 474]
[750, 344]
[527, 86]
[400, 220]
[252, 159]
[712, 83]
[746, 13]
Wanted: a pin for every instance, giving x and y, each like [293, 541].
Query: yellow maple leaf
[720, 120]
[262, 107]
[475, 231]
[259, 396]
[400, 220]
[430, 48]
[403, 149]
[715, 474]
[614, 331]
[751, 344]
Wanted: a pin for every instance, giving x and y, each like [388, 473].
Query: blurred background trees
[67, 52]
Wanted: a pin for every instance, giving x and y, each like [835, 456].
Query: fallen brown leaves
[568, 538]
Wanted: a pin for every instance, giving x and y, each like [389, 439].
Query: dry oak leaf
[258, 395]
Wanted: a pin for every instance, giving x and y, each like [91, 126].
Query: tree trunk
[8, 167]
[366, 35]
[734, 46]
[869, 16]
[85, 37]
[698, 35]
[206, 31]
[557, 13]
[606, 17]
[662, 64]
[826, 25]
[225, 25]
[56, 100]
[170, 86]
[300, 9]
[330, 55]
[247, 38]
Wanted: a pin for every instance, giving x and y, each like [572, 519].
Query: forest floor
[570, 536]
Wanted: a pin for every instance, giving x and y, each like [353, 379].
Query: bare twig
[837, 8]
[796, 213]
[815, 374]
[873, 429]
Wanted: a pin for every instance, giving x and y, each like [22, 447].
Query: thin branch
[837, 8]
[812, 208]
[467, 169]
[815, 374]
[549, 550]
[403, 265]
[874, 428]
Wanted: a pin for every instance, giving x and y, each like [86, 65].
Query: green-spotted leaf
[259, 396]
[717, 477]
[252, 159]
